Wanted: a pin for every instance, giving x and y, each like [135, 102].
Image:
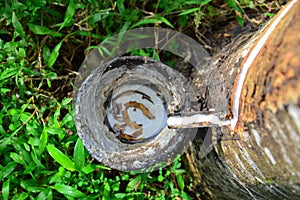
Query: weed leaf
[17, 25]
[4, 90]
[238, 11]
[21, 196]
[79, 155]
[17, 158]
[180, 181]
[39, 30]
[134, 183]
[106, 192]
[158, 20]
[164, 20]
[43, 141]
[55, 131]
[189, 11]
[69, 14]
[61, 158]
[30, 168]
[46, 53]
[45, 194]
[54, 54]
[88, 169]
[66, 101]
[185, 196]
[120, 195]
[103, 167]
[8, 169]
[30, 186]
[68, 191]
[35, 159]
[8, 73]
[5, 190]
[147, 21]
[204, 2]
[120, 6]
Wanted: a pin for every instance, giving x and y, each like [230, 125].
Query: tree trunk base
[260, 160]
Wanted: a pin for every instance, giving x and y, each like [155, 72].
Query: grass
[42, 44]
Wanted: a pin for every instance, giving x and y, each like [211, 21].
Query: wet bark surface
[261, 159]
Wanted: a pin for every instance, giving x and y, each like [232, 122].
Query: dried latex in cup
[122, 110]
[137, 111]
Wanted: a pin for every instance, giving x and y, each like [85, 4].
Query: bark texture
[261, 159]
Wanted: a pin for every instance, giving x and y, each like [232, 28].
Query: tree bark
[260, 160]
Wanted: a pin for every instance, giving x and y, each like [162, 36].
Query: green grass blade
[79, 154]
[61, 158]
[68, 191]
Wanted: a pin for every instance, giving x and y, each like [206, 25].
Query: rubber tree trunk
[260, 159]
